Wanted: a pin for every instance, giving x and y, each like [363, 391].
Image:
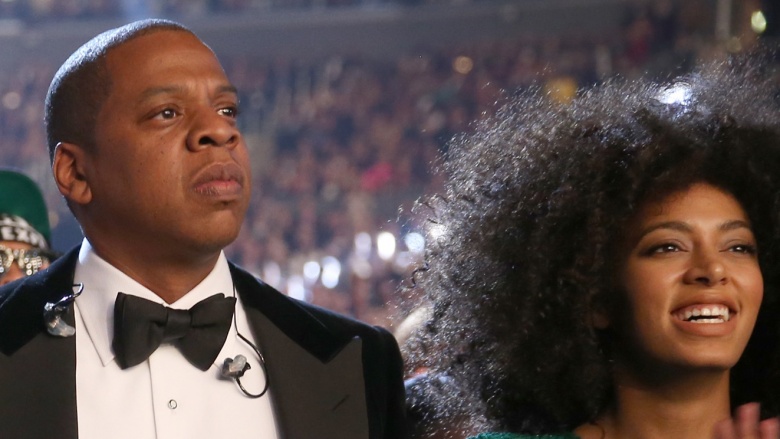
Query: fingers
[724, 430]
[747, 418]
[770, 428]
[746, 424]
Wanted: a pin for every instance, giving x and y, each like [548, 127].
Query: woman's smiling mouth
[701, 313]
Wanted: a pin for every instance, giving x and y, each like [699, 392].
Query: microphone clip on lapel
[54, 312]
[235, 368]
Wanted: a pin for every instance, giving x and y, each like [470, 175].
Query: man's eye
[168, 113]
[229, 112]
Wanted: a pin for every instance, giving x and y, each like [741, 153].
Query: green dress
[525, 436]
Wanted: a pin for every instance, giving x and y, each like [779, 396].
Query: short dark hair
[82, 84]
[532, 210]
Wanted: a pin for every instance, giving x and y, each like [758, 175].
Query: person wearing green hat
[25, 235]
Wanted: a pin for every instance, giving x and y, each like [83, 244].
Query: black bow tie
[140, 326]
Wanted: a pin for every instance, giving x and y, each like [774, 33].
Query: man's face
[169, 172]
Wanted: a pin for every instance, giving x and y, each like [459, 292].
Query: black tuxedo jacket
[330, 376]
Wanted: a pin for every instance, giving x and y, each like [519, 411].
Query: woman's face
[691, 280]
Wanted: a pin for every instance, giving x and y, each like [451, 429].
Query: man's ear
[69, 172]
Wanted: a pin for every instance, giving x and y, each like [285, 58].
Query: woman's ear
[599, 318]
[68, 168]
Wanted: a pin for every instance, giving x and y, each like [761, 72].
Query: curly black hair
[521, 242]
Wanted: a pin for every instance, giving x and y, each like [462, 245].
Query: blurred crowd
[57, 10]
[342, 147]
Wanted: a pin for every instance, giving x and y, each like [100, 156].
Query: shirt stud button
[172, 404]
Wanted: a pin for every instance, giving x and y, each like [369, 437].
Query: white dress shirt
[165, 397]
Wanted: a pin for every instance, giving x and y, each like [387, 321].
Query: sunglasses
[29, 261]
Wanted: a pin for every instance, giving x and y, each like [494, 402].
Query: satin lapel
[37, 370]
[316, 378]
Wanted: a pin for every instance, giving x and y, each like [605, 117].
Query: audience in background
[342, 147]
[24, 228]
[47, 10]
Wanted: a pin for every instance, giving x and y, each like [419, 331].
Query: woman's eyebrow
[673, 225]
[735, 224]
[685, 227]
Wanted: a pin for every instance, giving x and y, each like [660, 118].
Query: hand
[746, 424]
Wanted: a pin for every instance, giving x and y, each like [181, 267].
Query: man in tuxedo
[142, 331]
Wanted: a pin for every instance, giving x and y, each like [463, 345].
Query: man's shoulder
[22, 301]
[38, 285]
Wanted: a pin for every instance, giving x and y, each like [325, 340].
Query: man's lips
[220, 180]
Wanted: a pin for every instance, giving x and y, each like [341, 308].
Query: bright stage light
[758, 22]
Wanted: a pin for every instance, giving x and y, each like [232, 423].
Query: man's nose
[210, 128]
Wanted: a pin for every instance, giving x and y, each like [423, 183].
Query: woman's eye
[744, 248]
[664, 248]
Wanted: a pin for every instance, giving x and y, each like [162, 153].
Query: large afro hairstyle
[521, 240]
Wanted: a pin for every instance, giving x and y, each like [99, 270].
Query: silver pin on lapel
[53, 314]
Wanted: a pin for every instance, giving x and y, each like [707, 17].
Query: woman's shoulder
[525, 436]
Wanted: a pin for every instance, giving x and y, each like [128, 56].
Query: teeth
[719, 313]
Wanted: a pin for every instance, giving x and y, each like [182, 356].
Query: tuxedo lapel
[316, 377]
[37, 370]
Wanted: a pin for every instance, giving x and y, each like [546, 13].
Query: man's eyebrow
[155, 91]
[173, 89]
[227, 88]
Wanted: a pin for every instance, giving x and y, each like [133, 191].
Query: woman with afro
[596, 269]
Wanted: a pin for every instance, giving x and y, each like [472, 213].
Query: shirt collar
[102, 281]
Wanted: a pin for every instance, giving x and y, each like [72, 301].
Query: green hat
[23, 213]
